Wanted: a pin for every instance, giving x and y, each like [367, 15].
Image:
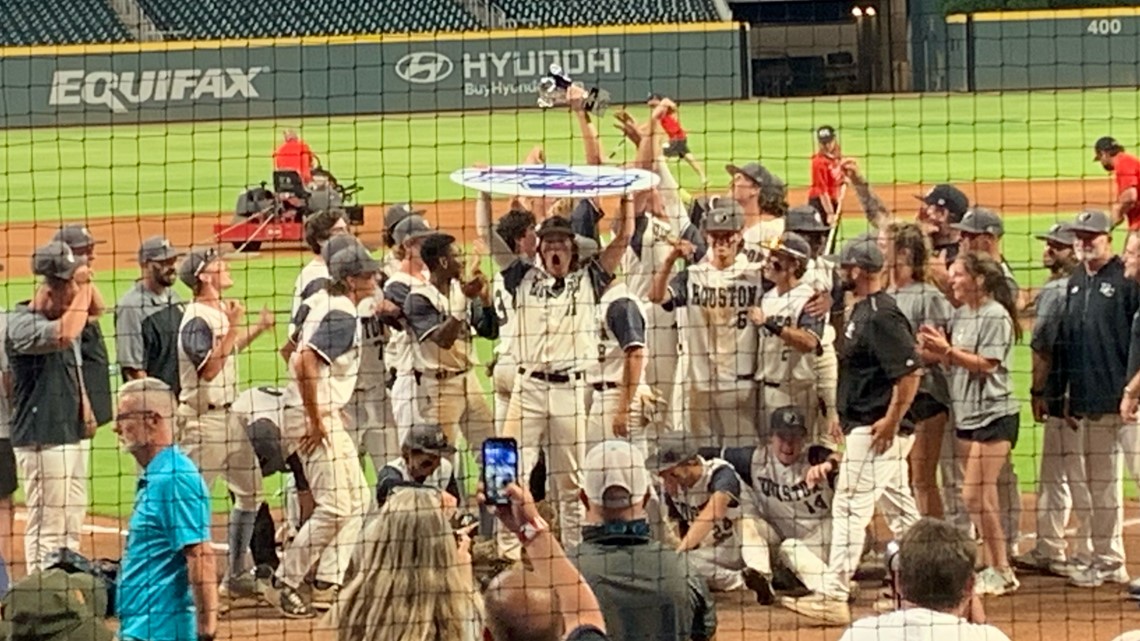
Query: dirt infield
[123, 234]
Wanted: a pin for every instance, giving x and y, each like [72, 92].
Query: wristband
[532, 529]
[773, 326]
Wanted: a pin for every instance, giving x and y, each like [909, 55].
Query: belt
[564, 376]
[601, 387]
[211, 407]
[770, 384]
[439, 375]
[744, 377]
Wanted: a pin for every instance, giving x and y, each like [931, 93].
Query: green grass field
[70, 173]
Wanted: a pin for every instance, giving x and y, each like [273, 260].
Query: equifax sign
[116, 91]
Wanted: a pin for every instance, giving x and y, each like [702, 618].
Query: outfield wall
[180, 81]
[1046, 49]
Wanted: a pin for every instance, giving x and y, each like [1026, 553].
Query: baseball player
[209, 340]
[556, 337]
[788, 337]
[665, 110]
[617, 378]
[715, 517]
[826, 174]
[441, 315]
[408, 234]
[763, 198]
[323, 371]
[423, 462]
[720, 342]
[315, 274]
[148, 316]
[793, 487]
[1125, 169]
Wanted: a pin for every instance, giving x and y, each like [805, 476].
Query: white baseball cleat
[1094, 576]
[994, 582]
[817, 606]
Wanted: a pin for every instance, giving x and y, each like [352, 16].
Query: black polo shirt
[1099, 309]
[46, 406]
[97, 372]
[878, 350]
[146, 333]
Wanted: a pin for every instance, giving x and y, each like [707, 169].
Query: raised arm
[878, 214]
[610, 258]
[592, 143]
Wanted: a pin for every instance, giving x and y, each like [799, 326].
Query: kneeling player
[423, 463]
[793, 485]
[715, 518]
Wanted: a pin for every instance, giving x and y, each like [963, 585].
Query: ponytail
[995, 283]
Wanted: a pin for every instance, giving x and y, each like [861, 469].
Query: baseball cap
[157, 249]
[1091, 222]
[756, 172]
[726, 215]
[56, 260]
[196, 261]
[792, 244]
[555, 226]
[428, 438]
[949, 198]
[611, 464]
[352, 261]
[399, 212]
[805, 219]
[337, 243]
[56, 605]
[412, 226]
[1106, 144]
[981, 221]
[862, 252]
[825, 133]
[1059, 234]
[76, 237]
[673, 448]
[265, 437]
[789, 422]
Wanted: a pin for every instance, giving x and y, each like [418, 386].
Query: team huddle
[779, 394]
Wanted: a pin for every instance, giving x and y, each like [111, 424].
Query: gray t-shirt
[980, 399]
[925, 304]
[5, 368]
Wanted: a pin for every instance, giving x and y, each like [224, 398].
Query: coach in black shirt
[1100, 305]
[149, 315]
[878, 378]
[92, 344]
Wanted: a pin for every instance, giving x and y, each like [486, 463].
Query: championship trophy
[552, 92]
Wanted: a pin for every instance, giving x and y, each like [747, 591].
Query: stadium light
[869, 11]
[857, 12]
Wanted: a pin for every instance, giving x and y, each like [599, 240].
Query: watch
[531, 529]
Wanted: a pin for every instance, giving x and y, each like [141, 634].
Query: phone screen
[500, 468]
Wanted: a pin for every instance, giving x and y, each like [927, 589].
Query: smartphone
[500, 468]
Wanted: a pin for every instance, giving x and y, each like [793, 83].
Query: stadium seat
[59, 22]
[210, 19]
[550, 13]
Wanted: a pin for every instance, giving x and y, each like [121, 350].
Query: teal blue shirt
[172, 512]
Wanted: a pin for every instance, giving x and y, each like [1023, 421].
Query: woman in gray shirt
[978, 357]
[907, 252]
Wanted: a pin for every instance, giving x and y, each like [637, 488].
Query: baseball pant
[459, 406]
[217, 443]
[722, 565]
[341, 494]
[404, 404]
[373, 428]
[866, 479]
[826, 383]
[48, 474]
[803, 557]
[1109, 442]
[801, 394]
[503, 380]
[725, 417]
[77, 499]
[604, 405]
[661, 352]
[1062, 490]
[551, 417]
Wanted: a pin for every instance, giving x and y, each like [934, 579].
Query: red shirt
[1127, 171]
[672, 126]
[295, 155]
[826, 177]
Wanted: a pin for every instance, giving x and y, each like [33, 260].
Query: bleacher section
[212, 19]
[56, 22]
[557, 13]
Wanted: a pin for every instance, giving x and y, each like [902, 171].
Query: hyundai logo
[424, 67]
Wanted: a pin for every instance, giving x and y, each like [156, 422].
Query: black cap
[755, 172]
[352, 261]
[398, 212]
[1091, 222]
[337, 243]
[673, 448]
[726, 215]
[77, 237]
[157, 249]
[428, 438]
[794, 245]
[1059, 234]
[862, 252]
[980, 220]
[1106, 144]
[196, 261]
[949, 198]
[56, 260]
[805, 219]
[411, 227]
[789, 422]
[825, 133]
[555, 226]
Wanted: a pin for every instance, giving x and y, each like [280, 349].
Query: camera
[552, 92]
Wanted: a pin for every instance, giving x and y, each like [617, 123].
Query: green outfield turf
[153, 169]
[192, 167]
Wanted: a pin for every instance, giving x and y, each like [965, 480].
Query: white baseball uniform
[400, 356]
[314, 277]
[787, 376]
[396, 474]
[506, 366]
[820, 275]
[373, 427]
[720, 346]
[734, 543]
[759, 236]
[330, 329]
[622, 327]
